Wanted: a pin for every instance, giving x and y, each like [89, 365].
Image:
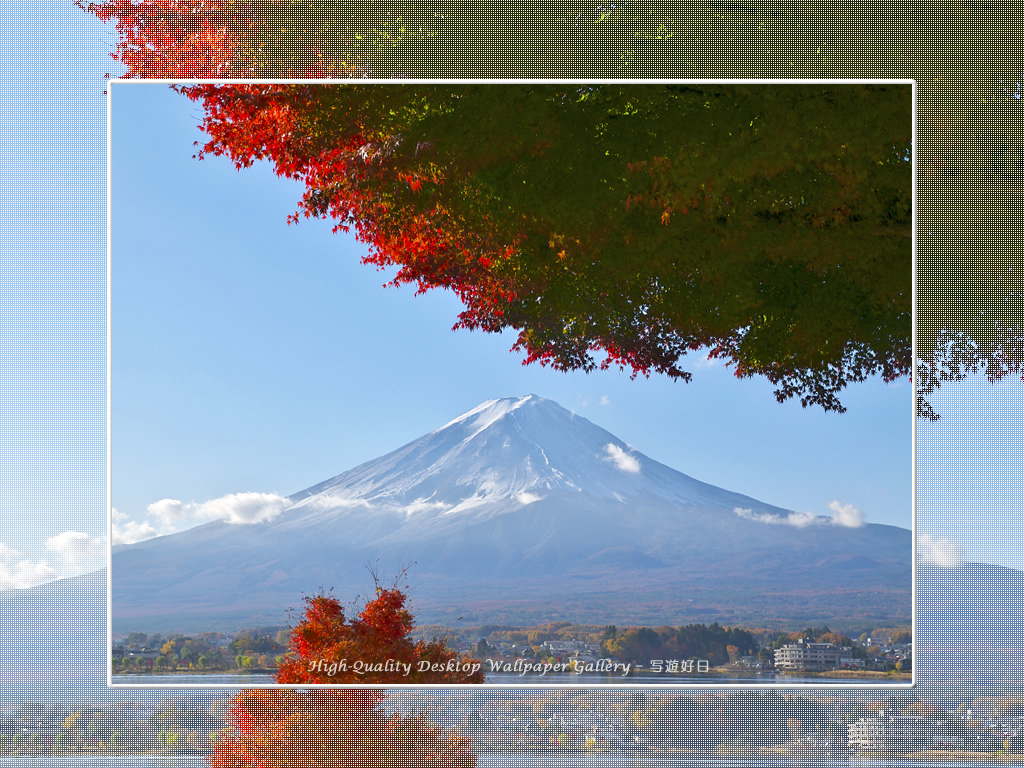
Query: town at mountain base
[967, 658]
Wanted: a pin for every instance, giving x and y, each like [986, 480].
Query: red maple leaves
[218, 39]
[275, 728]
[357, 172]
[169, 38]
[375, 647]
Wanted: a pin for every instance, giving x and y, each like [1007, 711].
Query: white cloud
[17, 572]
[171, 513]
[332, 502]
[525, 497]
[846, 515]
[25, 573]
[757, 517]
[802, 519]
[941, 552]
[795, 519]
[125, 531]
[79, 550]
[422, 505]
[235, 508]
[245, 508]
[621, 459]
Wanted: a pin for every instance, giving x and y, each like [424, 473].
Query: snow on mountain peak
[504, 455]
[487, 413]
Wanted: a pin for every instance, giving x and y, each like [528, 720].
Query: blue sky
[251, 356]
[52, 294]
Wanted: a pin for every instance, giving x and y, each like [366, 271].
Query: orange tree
[375, 647]
[279, 728]
[275, 728]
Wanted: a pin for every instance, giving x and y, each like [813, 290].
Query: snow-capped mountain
[515, 449]
[520, 509]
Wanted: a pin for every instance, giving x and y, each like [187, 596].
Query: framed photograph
[669, 441]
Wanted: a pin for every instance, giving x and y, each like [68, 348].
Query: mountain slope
[519, 510]
[54, 639]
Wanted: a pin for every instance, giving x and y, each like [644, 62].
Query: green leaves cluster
[767, 225]
[966, 60]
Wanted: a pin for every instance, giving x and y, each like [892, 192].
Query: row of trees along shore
[264, 650]
[715, 722]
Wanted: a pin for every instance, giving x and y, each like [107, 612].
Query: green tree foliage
[255, 641]
[970, 158]
[641, 645]
[900, 636]
[766, 225]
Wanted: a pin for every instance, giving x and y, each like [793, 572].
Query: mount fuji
[520, 511]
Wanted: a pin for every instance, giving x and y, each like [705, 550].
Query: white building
[896, 733]
[810, 656]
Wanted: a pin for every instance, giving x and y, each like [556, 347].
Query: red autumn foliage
[171, 39]
[226, 39]
[612, 246]
[374, 648]
[275, 728]
[364, 180]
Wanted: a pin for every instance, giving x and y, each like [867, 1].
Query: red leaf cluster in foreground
[276, 728]
[375, 647]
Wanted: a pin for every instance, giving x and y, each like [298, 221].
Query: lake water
[547, 760]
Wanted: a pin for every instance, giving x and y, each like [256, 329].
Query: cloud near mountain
[938, 551]
[235, 508]
[17, 572]
[79, 549]
[621, 459]
[124, 530]
[846, 515]
[843, 515]
[76, 553]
